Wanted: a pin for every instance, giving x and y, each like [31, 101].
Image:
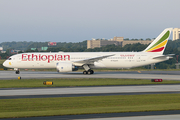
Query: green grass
[1, 62]
[87, 105]
[65, 82]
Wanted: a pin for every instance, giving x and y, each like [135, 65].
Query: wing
[90, 60]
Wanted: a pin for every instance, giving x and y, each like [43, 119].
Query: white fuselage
[49, 60]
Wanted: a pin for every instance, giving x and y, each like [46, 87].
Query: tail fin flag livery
[159, 44]
[72, 61]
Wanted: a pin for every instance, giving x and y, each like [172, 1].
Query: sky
[79, 20]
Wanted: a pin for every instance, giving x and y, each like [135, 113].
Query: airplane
[72, 61]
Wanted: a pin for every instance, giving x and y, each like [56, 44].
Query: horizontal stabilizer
[169, 56]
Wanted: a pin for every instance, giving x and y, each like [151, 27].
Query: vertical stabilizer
[159, 44]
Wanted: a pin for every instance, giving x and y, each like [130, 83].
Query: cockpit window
[9, 58]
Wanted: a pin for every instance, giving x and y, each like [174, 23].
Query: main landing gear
[88, 72]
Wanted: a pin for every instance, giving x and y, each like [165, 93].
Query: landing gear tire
[84, 72]
[89, 72]
[17, 72]
[92, 72]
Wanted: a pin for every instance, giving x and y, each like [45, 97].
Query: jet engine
[65, 67]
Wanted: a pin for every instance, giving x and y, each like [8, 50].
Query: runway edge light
[156, 80]
[19, 77]
[48, 83]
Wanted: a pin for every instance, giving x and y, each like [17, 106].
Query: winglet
[159, 44]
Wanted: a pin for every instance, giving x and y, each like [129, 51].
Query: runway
[82, 91]
[14, 93]
[165, 75]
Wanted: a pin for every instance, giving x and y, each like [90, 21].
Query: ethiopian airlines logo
[49, 58]
[160, 44]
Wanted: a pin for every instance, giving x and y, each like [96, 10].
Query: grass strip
[87, 105]
[66, 82]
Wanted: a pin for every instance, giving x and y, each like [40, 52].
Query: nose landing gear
[17, 70]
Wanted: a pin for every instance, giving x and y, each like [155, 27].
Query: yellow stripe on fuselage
[159, 46]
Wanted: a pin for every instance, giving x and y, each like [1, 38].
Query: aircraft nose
[5, 64]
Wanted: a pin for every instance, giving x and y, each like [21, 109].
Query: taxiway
[165, 75]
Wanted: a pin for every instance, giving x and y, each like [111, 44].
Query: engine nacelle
[65, 67]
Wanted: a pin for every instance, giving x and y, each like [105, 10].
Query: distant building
[42, 49]
[136, 41]
[176, 34]
[3, 51]
[102, 42]
[33, 48]
[14, 51]
[93, 43]
[119, 41]
[52, 43]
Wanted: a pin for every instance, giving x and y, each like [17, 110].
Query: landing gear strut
[88, 72]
